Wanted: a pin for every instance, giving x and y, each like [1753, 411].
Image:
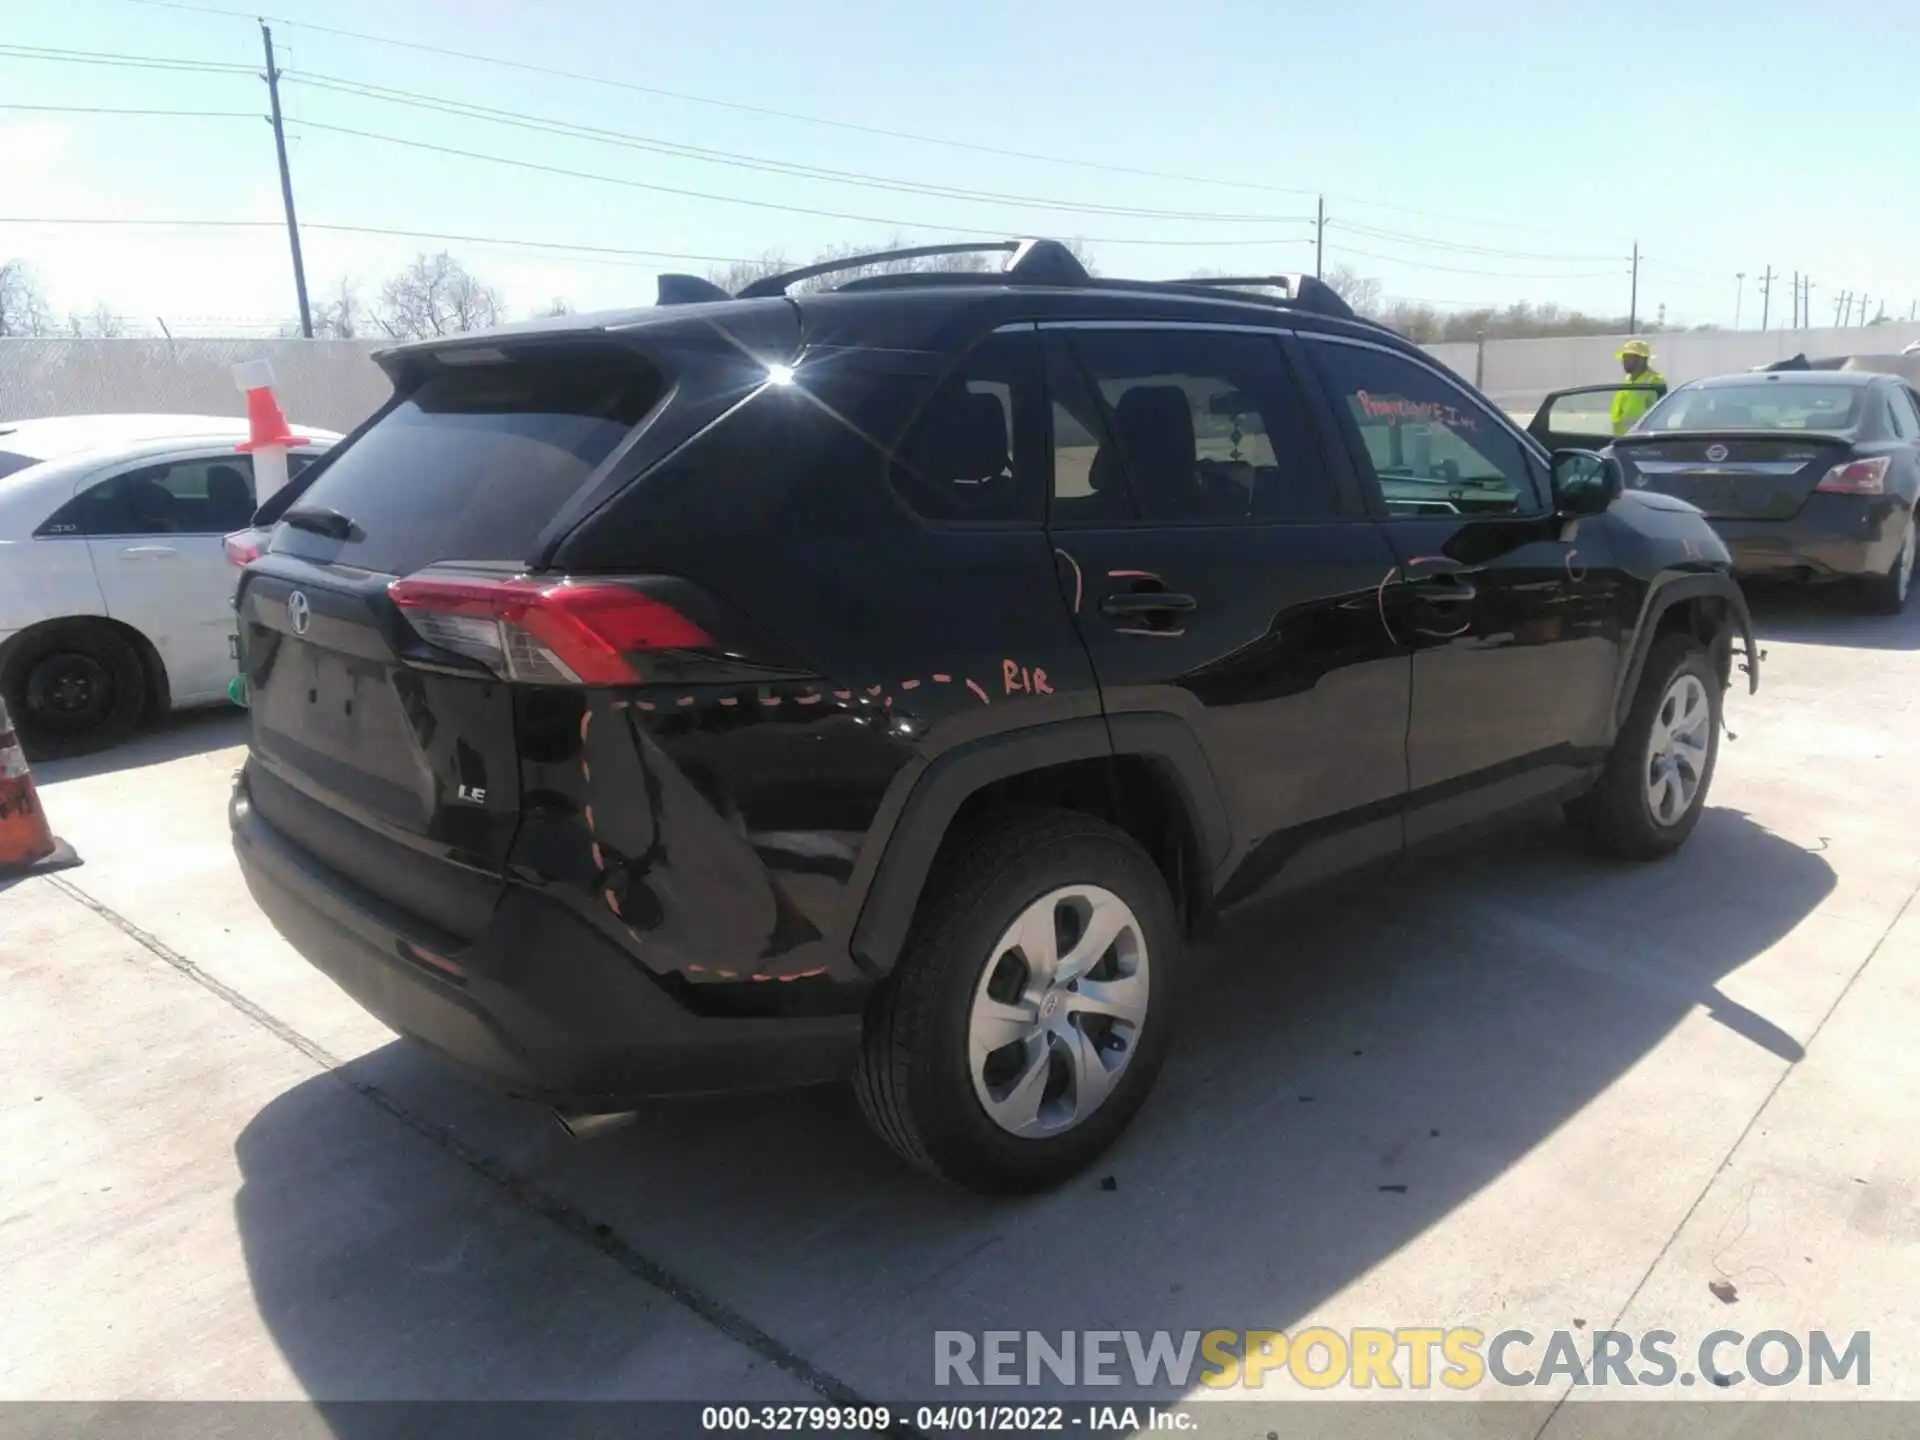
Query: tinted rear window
[1760, 406]
[10, 462]
[476, 462]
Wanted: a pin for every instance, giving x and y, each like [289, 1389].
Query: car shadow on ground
[1827, 615]
[1357, 1066]
[180, 735]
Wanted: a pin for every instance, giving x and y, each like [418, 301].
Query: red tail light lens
[1857, 477]
[243, 547]
[546, 632]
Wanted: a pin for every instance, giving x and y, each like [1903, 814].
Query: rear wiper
[322, 520]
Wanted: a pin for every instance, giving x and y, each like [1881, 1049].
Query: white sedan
[115, 592]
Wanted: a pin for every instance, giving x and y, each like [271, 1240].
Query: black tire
[914, 1079]
[1616, 817]
[1887, 594]
[72, 687]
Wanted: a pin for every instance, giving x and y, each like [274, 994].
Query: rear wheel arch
[1146, 774]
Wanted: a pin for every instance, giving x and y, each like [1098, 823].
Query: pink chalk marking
[589, 817]
[1131, 575]
[585, 721]
[684, 700]
[943, 679]
[808, 699]
[599, 860]
[909, 684]
[843, 694]
[586, 772]
[978, 691]
[769, 699]
[728, 700]
[1077, 585]
[874, 689]
[646, 705]
[613, 903]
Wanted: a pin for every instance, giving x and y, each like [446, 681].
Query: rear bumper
[545, 1008]
[1834, 537]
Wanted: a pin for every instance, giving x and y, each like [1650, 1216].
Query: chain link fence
[329, 384]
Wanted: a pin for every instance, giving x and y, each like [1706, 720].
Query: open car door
[1581, 418]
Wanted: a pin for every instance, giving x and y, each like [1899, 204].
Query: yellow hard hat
[1635, 347]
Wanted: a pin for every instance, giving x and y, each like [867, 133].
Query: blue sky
[1491, 151]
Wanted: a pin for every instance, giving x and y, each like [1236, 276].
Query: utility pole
[1766, 296]
[1863, 307]
[286, 183]
[1739, 294]
[1840, 307]
[1320, 238]
[1633, 295]
[1796, 301]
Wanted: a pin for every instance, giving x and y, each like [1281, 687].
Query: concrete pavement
[1511, 1086]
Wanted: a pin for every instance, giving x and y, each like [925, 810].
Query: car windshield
[1760, 406]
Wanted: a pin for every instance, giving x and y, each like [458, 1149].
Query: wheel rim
[1677, 749]
[1057, 1013]
[69, 691]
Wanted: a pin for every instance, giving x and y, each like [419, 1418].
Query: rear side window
[1197, 427]
[209, 495]
[476, 461]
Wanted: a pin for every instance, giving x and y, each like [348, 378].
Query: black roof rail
[1046, 262]
[688, 290]
[1308, 292]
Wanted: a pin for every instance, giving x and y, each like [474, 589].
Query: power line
[1461, 270]
[573, 129]
[742, 199]
[121, 110]
[1455, 245]
[735, 105]
[134, 62]
[586, 250]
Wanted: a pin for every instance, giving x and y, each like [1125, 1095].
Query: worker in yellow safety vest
[1629, 405]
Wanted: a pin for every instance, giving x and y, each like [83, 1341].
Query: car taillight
[1857, 477]
[243, 547]
[546, 632]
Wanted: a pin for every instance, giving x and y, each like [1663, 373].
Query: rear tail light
[243, 547]
[546, 632]
[1857, 477]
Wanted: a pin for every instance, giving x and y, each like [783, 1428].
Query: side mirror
[1585, 483]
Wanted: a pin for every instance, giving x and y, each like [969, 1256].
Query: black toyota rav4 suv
[889, 679]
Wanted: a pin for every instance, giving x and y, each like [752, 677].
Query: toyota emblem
[299, 612]
[1716, 453]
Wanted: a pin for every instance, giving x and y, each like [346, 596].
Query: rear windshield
[10, 462]
[476, 461]
[1761, 406]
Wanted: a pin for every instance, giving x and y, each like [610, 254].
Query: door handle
[1148, 602]
[149, 552]
[1441, 580]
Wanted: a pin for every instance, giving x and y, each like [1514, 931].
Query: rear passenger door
[154, 533]
[1220, 571]
[1516, 618]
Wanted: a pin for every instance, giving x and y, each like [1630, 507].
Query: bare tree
[436, 295]
[23, 305]
[736, 275]
[559, 305]
[99, 323]
[342, 315]
[1363, 293]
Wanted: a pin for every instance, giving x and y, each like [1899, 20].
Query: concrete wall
[1519, 372]
[332, 383]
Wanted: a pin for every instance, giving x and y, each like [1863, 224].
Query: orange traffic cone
[27, 843]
